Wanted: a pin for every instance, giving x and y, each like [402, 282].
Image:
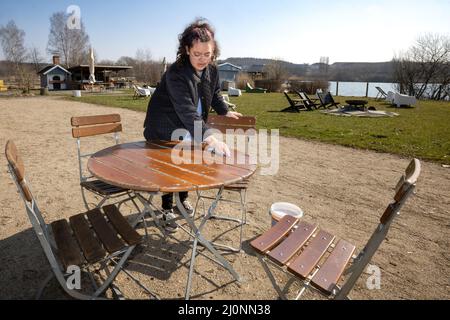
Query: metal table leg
[203, 241]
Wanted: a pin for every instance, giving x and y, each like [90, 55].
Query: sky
[292, 30]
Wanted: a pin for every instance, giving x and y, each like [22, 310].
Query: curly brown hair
[199, 30]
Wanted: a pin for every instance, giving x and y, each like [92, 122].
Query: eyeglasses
[198, 55]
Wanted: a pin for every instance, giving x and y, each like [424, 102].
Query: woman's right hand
[218, 146]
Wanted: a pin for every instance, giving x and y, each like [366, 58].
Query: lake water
[358, 89]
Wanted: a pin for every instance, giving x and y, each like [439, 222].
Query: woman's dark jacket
[173, 105]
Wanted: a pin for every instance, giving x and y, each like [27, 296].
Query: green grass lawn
[423, 131]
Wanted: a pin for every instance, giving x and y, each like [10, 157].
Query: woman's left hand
[233, 114]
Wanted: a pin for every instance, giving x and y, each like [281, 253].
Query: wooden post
[367, 89]
[337, 88]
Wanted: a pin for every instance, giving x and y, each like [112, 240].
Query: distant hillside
[339, 71]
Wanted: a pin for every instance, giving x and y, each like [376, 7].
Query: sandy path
[337, 187]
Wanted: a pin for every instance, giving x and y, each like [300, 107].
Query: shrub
[310, 87]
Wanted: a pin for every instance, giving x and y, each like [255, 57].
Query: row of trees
[72, 45]
[423, 70]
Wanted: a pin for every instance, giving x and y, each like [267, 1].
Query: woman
[186, 92]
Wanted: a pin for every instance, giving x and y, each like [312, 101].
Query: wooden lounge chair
[381, 94]
[88, 242]
[294, 105]
[307, 101]
[250, 89]
[316, 258]
[326, 100]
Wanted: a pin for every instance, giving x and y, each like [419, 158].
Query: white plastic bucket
[76, 93]
[279, 209]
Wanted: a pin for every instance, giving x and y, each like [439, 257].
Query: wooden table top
[148, 166]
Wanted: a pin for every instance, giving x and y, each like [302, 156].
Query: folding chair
[250, 89]
[315, 258]
[141, 92]
[381, 94]
[243, 126]
[294, 105]
[326, 100]
[97, 238]
[87, 126]
[307, 101]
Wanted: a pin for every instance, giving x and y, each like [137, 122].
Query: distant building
[228, 73]
[256, 71]
[103, 75]
[55, 77]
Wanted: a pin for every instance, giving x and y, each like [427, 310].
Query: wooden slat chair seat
[100, 236]
[89, 237]
[317, 258]
[302, 249]
[244, 125]
[88, 126]
[101, 188]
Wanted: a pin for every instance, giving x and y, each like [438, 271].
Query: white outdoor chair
[88, 242]
[226, 99]
[390, 97]
[403, 100]
[140, 92]
[233, 92]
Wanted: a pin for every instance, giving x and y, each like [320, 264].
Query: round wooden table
[152, 167]
[159, 167]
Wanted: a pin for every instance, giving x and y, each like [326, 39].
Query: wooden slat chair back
[81, 241]
[294, 106]
[307, 100]
[89, 126]
[316, 258]
[246, 126]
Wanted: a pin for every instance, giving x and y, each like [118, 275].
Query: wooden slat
[139, 158]
[68, 250]
[330, 272]
[106, 234]
[226, 173]
[151, 167]
[165, 182]
[247, 121]
[101, 187]
[90, 245]
[80, 132]
[308, 259]
[214, 161]
[233, 129]
[121, 225]
[14, 159]
[293, 243]
[92, 120]
[119, 178]
[274, 235]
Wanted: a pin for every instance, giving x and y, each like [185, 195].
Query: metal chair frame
[358, 263]
[44, 234]
[129, 194]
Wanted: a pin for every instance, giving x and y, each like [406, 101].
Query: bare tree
[145, 68]
[12, 40]
[424, 69]
[35, 58]
[276, 70]
[71, 43]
